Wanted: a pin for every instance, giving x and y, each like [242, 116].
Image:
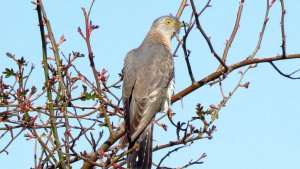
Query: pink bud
[213, 106]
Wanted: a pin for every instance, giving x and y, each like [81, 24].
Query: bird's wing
[129, 79]
[147, 74]
[129, 74]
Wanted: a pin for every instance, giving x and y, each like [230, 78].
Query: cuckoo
[148, 85]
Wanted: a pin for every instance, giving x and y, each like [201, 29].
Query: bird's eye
[168, 22]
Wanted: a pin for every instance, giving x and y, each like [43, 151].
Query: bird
[148, 85]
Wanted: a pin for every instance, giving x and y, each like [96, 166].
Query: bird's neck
[155, 37]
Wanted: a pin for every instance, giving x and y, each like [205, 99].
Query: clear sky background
[259, 128]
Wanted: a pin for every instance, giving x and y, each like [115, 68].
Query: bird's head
[167, 25]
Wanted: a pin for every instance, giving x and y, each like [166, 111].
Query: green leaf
[215, 116]
[26, 117]
[86, 96]
[23, 93]
[22, 61]
[195, 118]
[42, 135]
[9, 72]
[94, 96]
[89, 96]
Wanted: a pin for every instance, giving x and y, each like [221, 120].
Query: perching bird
[148, 77]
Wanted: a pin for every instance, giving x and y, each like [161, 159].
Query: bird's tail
[141, 158]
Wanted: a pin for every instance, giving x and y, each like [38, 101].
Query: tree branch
[41, 12]
[283, 74]
[204, 34]
[181, 8]
[232, 36]
[261, 34]
[283, 37]
[217, 74]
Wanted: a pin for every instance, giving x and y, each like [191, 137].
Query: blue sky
[259, 127]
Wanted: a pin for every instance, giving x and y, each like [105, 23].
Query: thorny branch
[198, 161]
[212, 50]
[169, 153]
[283, 74]
[283, 37]
[42, 12]
[261, 34]
[216, 75]
[89, 27]
[232, 36]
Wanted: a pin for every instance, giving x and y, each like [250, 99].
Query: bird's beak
[179, 24]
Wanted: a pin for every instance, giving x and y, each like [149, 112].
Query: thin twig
[12, 139]
[283, 74]
[261, 34]
[88, 29]
[216, 75]
[283, 37]
[204, 34]
[186, 56]
[42, 14]
[181, 8]
[234, 31]
[169, 153]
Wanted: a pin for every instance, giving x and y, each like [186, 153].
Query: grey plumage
[148, 85]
